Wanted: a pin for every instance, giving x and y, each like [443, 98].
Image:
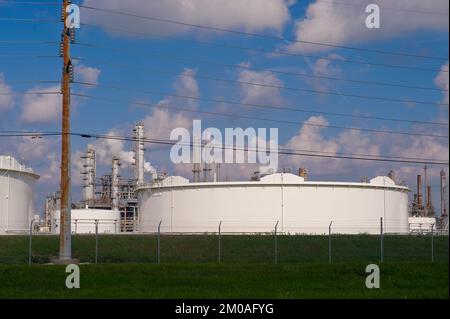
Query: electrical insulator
[63, 9]
[72, 35]
[63, 12]
[69, 69]
[71, 73]
[61, 49]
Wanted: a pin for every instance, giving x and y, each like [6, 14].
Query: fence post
[220, 242]
[381, 240]
[29, 245]
[432, 243]
[159, 242]
[329, 242]
[96, 240]
[276, 243]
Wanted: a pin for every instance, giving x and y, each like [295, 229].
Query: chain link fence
[272, 246]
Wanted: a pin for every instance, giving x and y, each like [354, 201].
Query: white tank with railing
[16, 196]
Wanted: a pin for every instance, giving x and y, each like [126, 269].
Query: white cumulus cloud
[87, 74]
[268, 93]
[6, 97]
[441, 82]
[41, 108]
[339, 24]
[162, 121]
[249, 15]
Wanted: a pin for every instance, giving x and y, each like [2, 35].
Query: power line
[29, 20]
[33, 81]
[29, 93]
[381, 6]
[234, 148]
[9, 42]
[107, 136]
[37, 134]
[280, 52]
[34, 3]
[240, 67]
[273, 107]
[279, 87]
[254, 118]
[266, 36]
[49, 3]
[21, 56]
[271, 52]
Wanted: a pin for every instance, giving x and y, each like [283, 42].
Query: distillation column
[115, 195]
[89, 167]
[139, 153]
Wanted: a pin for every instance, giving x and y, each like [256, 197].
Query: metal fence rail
[222, 247]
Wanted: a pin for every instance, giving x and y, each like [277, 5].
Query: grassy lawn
[340, 280]
[189, 269]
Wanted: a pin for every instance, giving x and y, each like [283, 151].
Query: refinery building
[291, 202]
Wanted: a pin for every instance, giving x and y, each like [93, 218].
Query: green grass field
[189, 267]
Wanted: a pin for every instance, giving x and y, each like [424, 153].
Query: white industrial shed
[255, 207]
[85, 220]
[16, 196]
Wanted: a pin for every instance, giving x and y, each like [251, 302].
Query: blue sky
[401, 31]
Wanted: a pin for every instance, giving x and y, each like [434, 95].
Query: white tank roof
[282, 178]
[382, 181]
[278, 179]
[9, 163]
[174, 181]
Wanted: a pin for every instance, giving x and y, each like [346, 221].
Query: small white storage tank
[84, 220]
[421, 225]
[299, 206]
[16, 196]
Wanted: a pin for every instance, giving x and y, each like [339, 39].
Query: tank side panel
[16, 202]
[298, 208]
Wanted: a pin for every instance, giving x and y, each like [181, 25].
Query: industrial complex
[290, 202]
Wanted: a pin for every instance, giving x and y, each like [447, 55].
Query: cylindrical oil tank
[299, 207]
[16, 196]
[84, 220]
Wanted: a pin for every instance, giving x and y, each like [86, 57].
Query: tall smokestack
[443, 194]
[302, 172]
[208, 162]
[139, 153]
[115, 184]
[216, 172]
[419, 190]
[428, 196]
[207, 172]
[89, 167]
[425, 170]
[197, 158]
[430, 212]
[391, 175]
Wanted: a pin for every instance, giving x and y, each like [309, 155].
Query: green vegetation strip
[310, 280]
[235, 249]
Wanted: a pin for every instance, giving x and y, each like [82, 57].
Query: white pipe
[115, 184]
[7, 204]
[139, 154]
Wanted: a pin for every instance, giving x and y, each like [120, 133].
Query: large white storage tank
[300, 207]
[84, 220]
[16, 196]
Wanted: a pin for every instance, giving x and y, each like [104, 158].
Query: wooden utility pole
[65, 244]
